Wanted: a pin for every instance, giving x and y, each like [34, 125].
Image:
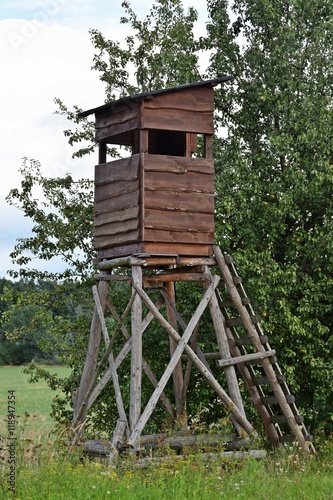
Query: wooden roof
[147, 95]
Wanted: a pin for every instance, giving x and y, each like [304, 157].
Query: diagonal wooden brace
[182, 345]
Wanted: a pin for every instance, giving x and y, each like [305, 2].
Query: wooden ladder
[257, 362]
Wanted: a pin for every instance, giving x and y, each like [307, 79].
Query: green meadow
[32, 401]
[47, 469]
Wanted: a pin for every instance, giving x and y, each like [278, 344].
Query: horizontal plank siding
[178, 221]
[201, 100]
[116, 227]
[117, 203]
[154, 235]
[119, 215]
[105, 241]
[178, 164]
[124, 169]
[179, 201]
[122, 202]
[188, 112]
[119, 121]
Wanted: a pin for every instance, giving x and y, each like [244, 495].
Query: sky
[45, 52]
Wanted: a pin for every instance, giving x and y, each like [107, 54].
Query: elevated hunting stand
[153, 229]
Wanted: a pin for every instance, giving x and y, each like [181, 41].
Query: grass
[32, 401]
[46, 469]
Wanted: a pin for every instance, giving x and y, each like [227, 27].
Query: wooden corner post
[136, 356]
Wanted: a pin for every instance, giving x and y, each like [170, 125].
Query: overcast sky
[45, 52]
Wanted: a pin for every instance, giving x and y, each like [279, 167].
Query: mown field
[46, 469]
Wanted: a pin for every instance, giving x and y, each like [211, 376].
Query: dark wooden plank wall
[117, 203]
[185, 111]
[178, 200]
[120, 120]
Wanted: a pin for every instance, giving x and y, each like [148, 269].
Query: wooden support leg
[136, 359]
[114, 374]
[80, 413]
[177, 373]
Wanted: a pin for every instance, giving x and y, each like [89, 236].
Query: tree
[275, 207]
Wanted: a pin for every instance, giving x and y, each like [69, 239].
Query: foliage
[61, 210]
[274, 208]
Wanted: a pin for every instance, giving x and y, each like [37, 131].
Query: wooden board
[122, 202]
[116, 227]
[179, 201]
[187, 111]
[107, 191]
[201, 238]
[117, 170]
[119, 120]
[101, 242]
[178, 164]
[178, 221]
[122, 249]
[189, 182]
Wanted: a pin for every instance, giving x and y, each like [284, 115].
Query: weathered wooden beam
[177, 374]
[245, 357]
[80, 410]
[222, 342]
[164, 278]
[136, 353]
[182, 344]
[120, 261]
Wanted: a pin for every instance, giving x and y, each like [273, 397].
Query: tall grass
[71, 476]
[47, 469]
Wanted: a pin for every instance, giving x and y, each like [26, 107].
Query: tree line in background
[274, 182]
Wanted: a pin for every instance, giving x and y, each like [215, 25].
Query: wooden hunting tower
[154, 216]
[160, 199]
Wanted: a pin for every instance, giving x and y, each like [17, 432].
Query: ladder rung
[273, 360]
[228, 259]
[246, 357]
[248, 341]
[237, 280]
[265, 381]
[281, 419]
[229, 303]
[239, 322]
[271, 400]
